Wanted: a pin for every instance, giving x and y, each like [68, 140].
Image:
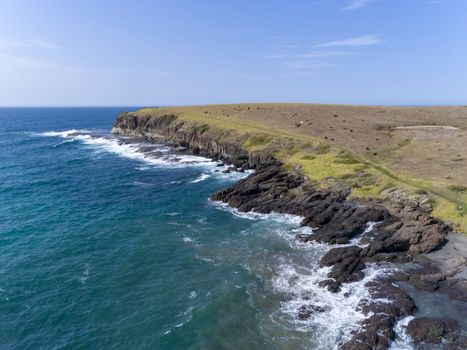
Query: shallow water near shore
[109, 242]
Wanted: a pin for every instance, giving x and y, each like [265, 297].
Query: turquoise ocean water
[105, 247]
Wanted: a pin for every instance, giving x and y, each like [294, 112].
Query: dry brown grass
[427, 158]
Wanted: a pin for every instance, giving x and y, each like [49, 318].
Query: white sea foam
[219, 173]
[63, 143]
[65, 133]
[187, 316]
[403, 340]
[164, 155]
[132, 151]
[85, 274]
[300, 281]
[301, 284]
[151, 154]
[370, 226]
[142, 184]
[296, 277]
[251, 215]
[187, 239]
[202, 177]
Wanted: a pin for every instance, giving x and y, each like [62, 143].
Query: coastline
[406, 231]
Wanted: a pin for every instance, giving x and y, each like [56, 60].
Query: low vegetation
[328, 164]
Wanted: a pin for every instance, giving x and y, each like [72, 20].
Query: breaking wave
[153, 154]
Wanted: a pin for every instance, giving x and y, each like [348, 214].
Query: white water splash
[165, 156]
[65, 133]
[403, 341]
[341, 316]
[295, 279]
[286, 218]
[202, 177]
[370, 226]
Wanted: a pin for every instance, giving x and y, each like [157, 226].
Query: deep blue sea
[106, 245]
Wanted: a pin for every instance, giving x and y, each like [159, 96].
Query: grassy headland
[374, 150]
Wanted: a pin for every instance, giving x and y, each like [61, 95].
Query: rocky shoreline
[404, 232]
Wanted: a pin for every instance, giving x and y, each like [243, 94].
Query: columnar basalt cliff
[404, 229]
[192, 137]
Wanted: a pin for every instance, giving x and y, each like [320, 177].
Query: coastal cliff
[405, 228]
[218, 144]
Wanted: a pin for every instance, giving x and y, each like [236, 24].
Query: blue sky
[171, 52]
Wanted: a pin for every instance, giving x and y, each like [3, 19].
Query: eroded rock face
[196, 139]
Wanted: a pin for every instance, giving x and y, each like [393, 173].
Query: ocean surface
[110, 243]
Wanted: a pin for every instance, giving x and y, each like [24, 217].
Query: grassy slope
[331, 163]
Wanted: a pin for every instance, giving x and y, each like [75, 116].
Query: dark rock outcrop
[377, 334]
[377, 330]
[304, 312]
[426, 330]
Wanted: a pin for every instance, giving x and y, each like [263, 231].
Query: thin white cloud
[307, 64]
[325, 54]
[364, 40]
[18, 61]
[16, 44]
[276, 55]
[357, 4]
[287, 46]
[281, 48]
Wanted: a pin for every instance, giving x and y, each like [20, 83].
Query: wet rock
[455, 342]
[426, 330]
[264, 191]
[342, 220]
[455, 288]
[387, 304]
[331, 285]
[386, 290]
[377, 334]
[336, 255]
[346, 264]
[305, 311]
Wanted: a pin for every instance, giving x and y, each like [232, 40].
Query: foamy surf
[202, 177]
[65, 133]
[151, 154]
[251, 215]
[295, 277]
[403, 340]
[339, 313]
